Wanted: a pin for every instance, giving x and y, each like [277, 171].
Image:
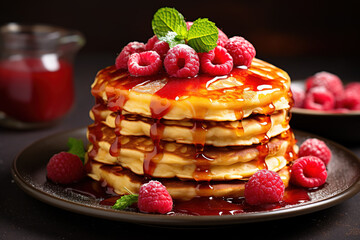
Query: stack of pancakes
[201, 136]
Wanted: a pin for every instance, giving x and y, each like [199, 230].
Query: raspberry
[216, 62]
[222, 38]
[241, 51]
[308, 172]
[355, 86]
[154, 198]
[144, 64]
[299, 96]
[317, 148]
[123, 57]
[182, 61]
[161, 48]
[350, 99]
[328, 80]
[151, 42]
[264, 187]
[65, 168]
[319, 98]
[158, 46]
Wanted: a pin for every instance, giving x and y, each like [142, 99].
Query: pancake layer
[121, 179]
[261, 89]
[247, 131]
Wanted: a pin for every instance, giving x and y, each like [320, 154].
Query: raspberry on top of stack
[192, 109]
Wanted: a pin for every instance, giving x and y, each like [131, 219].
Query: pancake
[170, 159]
[247, 131]
[261, 89]
[120, 179]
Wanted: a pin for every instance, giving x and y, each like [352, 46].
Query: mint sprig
[76, 147]
[169, 25]
[203, 35]
[125, 201]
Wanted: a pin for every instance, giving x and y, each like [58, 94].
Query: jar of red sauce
[36, 73]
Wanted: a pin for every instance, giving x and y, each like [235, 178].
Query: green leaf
[203, 35]
[169, 20]
[125, 201]
[76, 147]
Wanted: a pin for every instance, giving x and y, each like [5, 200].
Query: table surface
[23, 217]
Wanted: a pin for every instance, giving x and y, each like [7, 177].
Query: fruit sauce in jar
[36, 89]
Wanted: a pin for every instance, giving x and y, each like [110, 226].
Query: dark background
[324, 34]
[276, 28]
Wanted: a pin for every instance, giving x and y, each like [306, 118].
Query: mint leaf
[172, 39]
[169, 20]
[76, 147]
[203, 35]
[125, 201]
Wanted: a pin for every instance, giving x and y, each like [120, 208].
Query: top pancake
[262, 88]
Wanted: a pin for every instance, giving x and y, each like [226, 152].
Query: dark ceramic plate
[29, 172]
[340, 127]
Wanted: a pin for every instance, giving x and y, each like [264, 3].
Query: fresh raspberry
[154, 198]
[319, 98]
[308, 172]
[151, 42]
[161, 48]
[317, 148]
[355, 86]
[328, 80]
[132, 47]
[241, 51]
[222, 38]
[264, 186]
[299, 96]
[216, 62]
[65, 168]
[144, 64]
[350, 99]
[182, 61]
[154, 44]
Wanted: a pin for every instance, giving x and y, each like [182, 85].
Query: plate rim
[180, 220]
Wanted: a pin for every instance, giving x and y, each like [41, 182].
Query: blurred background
[326, 32]
[276, 28]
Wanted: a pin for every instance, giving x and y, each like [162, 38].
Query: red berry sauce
[36, 90]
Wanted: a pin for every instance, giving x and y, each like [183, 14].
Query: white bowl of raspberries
[324, 105]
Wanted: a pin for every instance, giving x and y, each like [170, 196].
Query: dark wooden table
[23, 217]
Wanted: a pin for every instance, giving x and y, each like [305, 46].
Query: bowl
[341, 127]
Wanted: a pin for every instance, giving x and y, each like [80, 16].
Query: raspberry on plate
[65, 168]
[144, 64]
[132, 47]
[299, 96]
[216, 62]
[327, 80]
[241, 51]
[182, 61]
[351, 98]
[317, 148]
[308, 172]
[154, 198]
[319, 98]
[264, 187]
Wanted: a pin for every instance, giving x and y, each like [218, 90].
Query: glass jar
[36, 73]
